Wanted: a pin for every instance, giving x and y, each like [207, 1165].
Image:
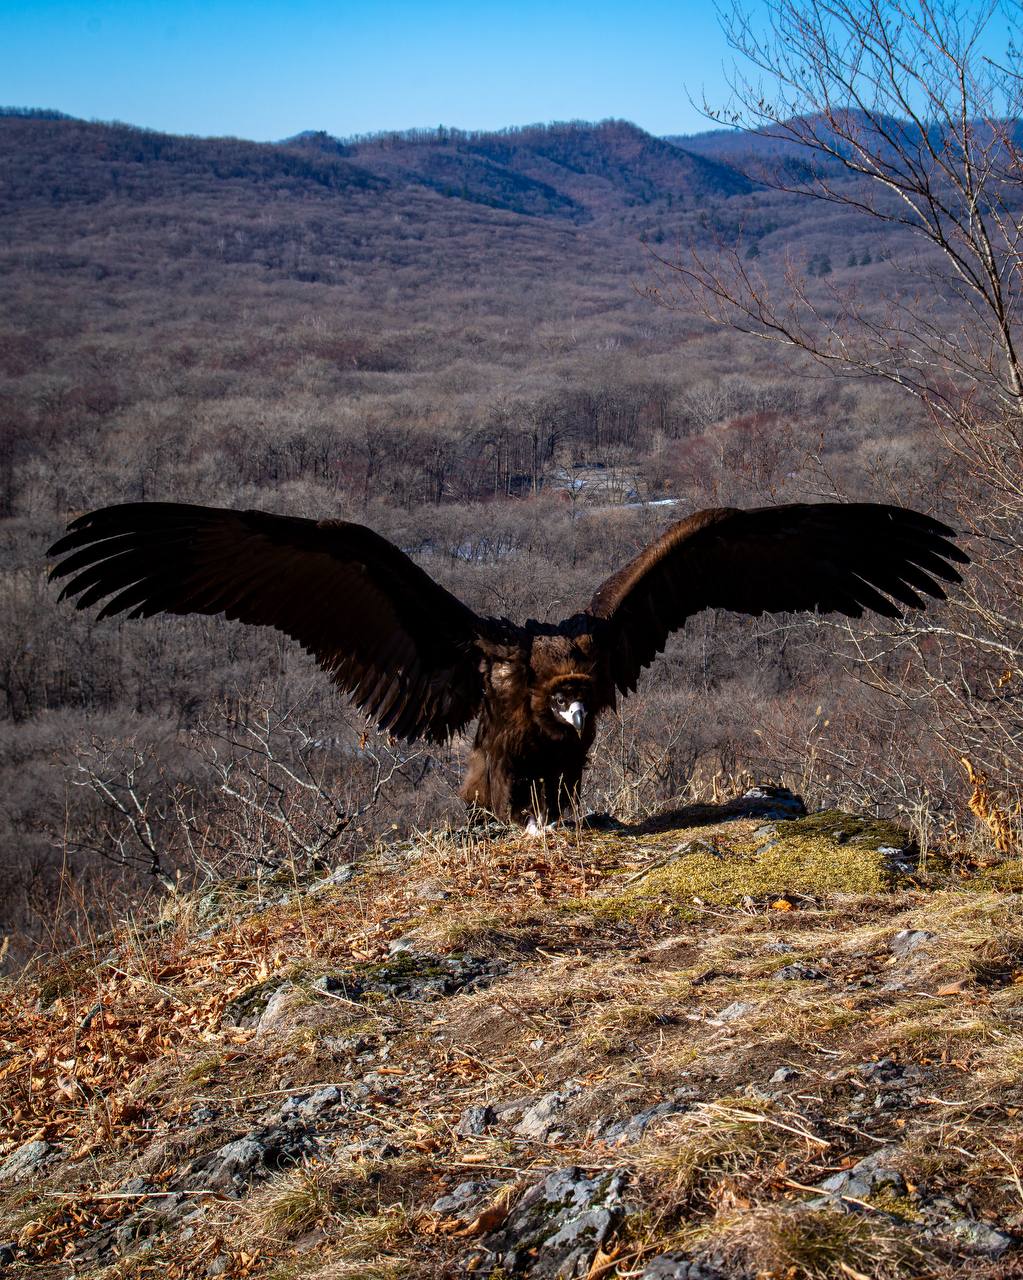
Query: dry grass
[626, 1009]
[692, 1158]
[817, 1245]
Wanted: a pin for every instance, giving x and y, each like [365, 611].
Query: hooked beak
[575, 716]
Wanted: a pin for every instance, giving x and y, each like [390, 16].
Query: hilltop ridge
[727, 1042]
[572, 171]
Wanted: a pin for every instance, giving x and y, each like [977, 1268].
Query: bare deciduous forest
[451, 338]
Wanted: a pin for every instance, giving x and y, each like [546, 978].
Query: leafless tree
[905, 112]
[894, 110]
[265, 793]
[285, 798]
[129, 827]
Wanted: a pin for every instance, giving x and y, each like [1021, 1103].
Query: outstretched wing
[828, 557]
[402, 646]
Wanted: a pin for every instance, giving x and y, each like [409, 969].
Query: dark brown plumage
[421, 664]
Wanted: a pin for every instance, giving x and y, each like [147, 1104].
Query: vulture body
[421, 664]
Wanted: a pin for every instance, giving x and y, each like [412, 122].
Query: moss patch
[845, 828]
[799, 862]
[1006, 876]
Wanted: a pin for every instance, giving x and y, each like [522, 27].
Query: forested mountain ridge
[595, 167]
[571, 170]
[62, 162]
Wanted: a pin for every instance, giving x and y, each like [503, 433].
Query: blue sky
[266, 70]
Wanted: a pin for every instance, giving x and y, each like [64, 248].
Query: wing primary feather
[384, 630]
[826, 558]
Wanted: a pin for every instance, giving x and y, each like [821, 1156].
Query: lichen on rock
[556, 1228]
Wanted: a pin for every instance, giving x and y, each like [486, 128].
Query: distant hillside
[563, 170]
[452, 165]
[748, 152]
[60, 161]
[571, 171]
[727, 145]
[35, 113]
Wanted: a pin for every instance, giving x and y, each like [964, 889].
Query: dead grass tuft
[718, 1142]
[815, 1244]
[985, 807]
[303, 1199]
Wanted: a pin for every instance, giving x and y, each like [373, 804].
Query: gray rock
[432, 891]
[902, 860]
[235, 1160]
[737, 1009]
[783, 1075]
[467, 1200]
[866, 1178]
[173, 1208]
[676, 1266]
[946, 1218]
[256, 1155]
[775, 803]
[545, 1120]
[25, 1160]
[308, 1108]
[906, 941]
[136, 1187]
[475, 1121]
[630, 1130]
[7, 1252]
[340, 875]
[336, 985]
[415, 975]
[246, 1009]
[887, 1071]
[278, 1007]
[128, 1232]
[509, 1110]
[797, 973]
[981, 1237]
[557, 1226]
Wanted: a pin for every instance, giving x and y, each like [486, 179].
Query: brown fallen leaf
[489, 1220]
[601, 1264]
